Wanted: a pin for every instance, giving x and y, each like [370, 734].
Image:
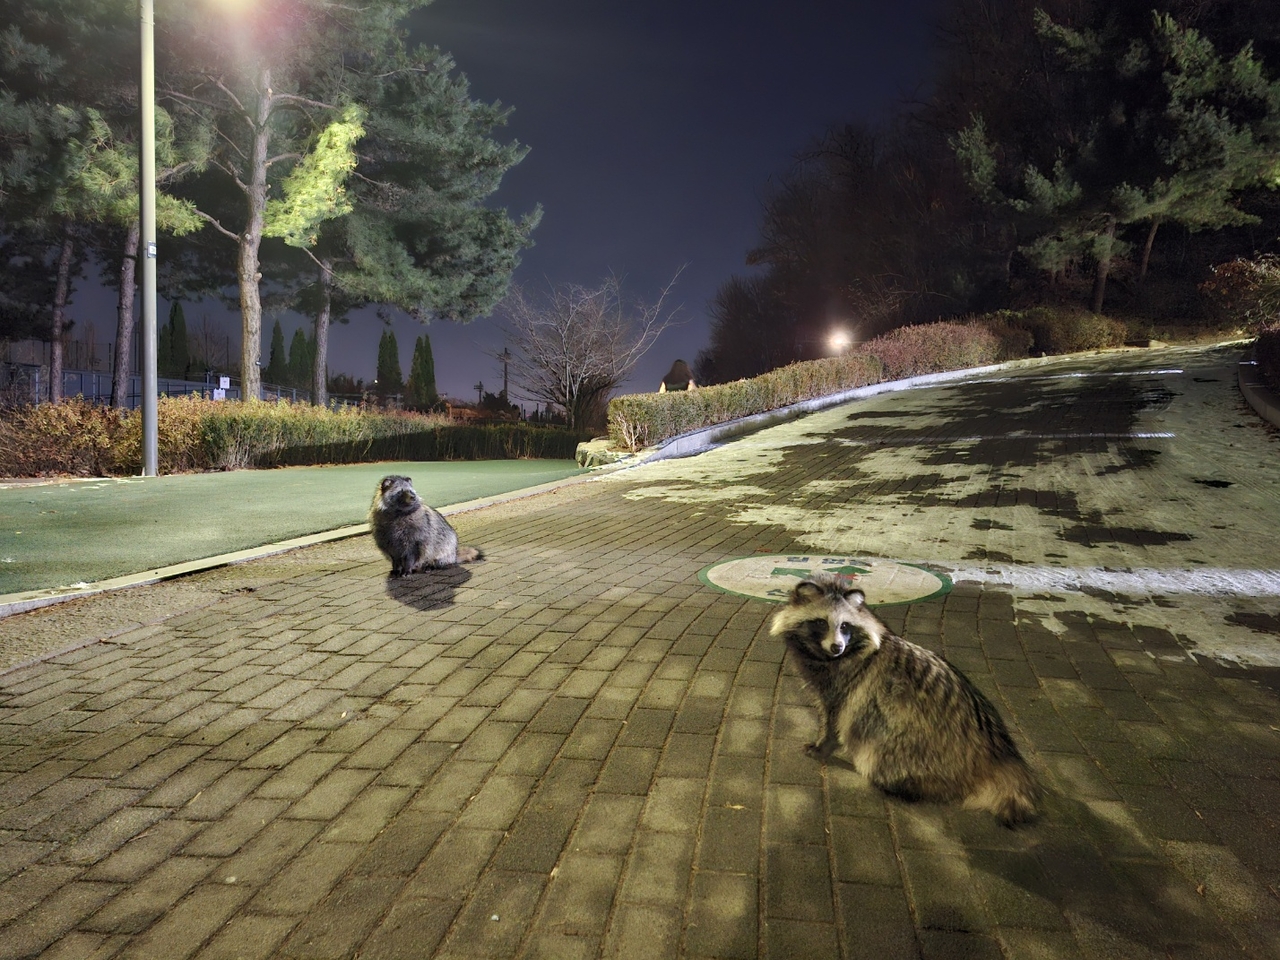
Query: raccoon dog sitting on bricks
[414, 536]
[914, 725]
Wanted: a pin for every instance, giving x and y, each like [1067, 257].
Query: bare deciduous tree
[572, 345]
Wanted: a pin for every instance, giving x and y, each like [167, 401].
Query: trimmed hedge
[73, 438]
[639, 420]
[1069, 330]
[517, 441]
[78, 438]
[934, 348]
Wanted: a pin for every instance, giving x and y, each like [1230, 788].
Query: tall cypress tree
[420, 392]
[277, 370]
[164, 350]
[390, 379]
[179, 346]
[299, 360]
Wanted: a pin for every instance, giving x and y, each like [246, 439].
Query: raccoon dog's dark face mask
[826, 618]
[828, 638]
[398, 494]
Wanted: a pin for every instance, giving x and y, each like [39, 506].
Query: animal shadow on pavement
[429, 590]
[1071, 868]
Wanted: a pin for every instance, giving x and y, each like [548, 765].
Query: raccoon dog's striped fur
[413, 535]
[910, 722]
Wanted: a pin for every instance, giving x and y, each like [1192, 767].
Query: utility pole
[505, 357]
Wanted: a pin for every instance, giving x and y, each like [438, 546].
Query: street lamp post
[147, 215]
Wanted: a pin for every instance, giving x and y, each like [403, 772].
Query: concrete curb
[696, 441]
[13, 603]
[1256, 392]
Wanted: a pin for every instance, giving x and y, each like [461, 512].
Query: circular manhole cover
[771, 577]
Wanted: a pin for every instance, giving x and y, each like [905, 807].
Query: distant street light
[147, 223]
[839, 341]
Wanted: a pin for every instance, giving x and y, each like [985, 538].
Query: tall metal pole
[147, 193]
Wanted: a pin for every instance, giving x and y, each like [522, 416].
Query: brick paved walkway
[577, 749]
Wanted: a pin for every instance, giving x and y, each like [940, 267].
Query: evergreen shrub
[1245, 291]
[639, 420]
[1067, 329]
[934, 348]
[78, 438]
[72, 438]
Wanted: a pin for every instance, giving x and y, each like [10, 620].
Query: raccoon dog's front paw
[819, 751]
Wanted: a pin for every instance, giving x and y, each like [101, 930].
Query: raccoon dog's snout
[838, 638]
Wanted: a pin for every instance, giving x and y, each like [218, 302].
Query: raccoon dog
[913, 724]
[414, 536]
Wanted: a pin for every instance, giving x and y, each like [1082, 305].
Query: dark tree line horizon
[1093, 154]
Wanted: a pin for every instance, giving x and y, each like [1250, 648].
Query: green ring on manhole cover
[771, 577]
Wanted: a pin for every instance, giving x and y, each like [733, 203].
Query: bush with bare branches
[572, 345]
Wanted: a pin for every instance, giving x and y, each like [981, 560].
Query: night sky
[653, 131]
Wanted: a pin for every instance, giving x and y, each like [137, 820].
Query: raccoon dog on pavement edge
[914, 725]
[414, 536]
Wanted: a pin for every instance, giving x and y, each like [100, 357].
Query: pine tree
[390, 380]
[417, 232]
[420, 391]
[277, 370]
[68, 147]
[282, 101]
[1151, 124]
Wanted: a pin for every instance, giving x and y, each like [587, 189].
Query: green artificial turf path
[66, 533]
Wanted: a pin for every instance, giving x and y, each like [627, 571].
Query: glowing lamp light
[839, 341]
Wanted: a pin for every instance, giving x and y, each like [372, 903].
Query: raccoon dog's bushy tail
[1009, 792]
[469, 554]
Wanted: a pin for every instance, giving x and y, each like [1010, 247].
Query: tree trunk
[1104, 266]
[124, 318]
[60, 295]
[1146, 249]
[320, 374]
[247, 263]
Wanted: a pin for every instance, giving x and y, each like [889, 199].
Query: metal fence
[29, 383]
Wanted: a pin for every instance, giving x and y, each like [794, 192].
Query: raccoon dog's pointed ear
[805, 591]
[855, 596]
[386, 482]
